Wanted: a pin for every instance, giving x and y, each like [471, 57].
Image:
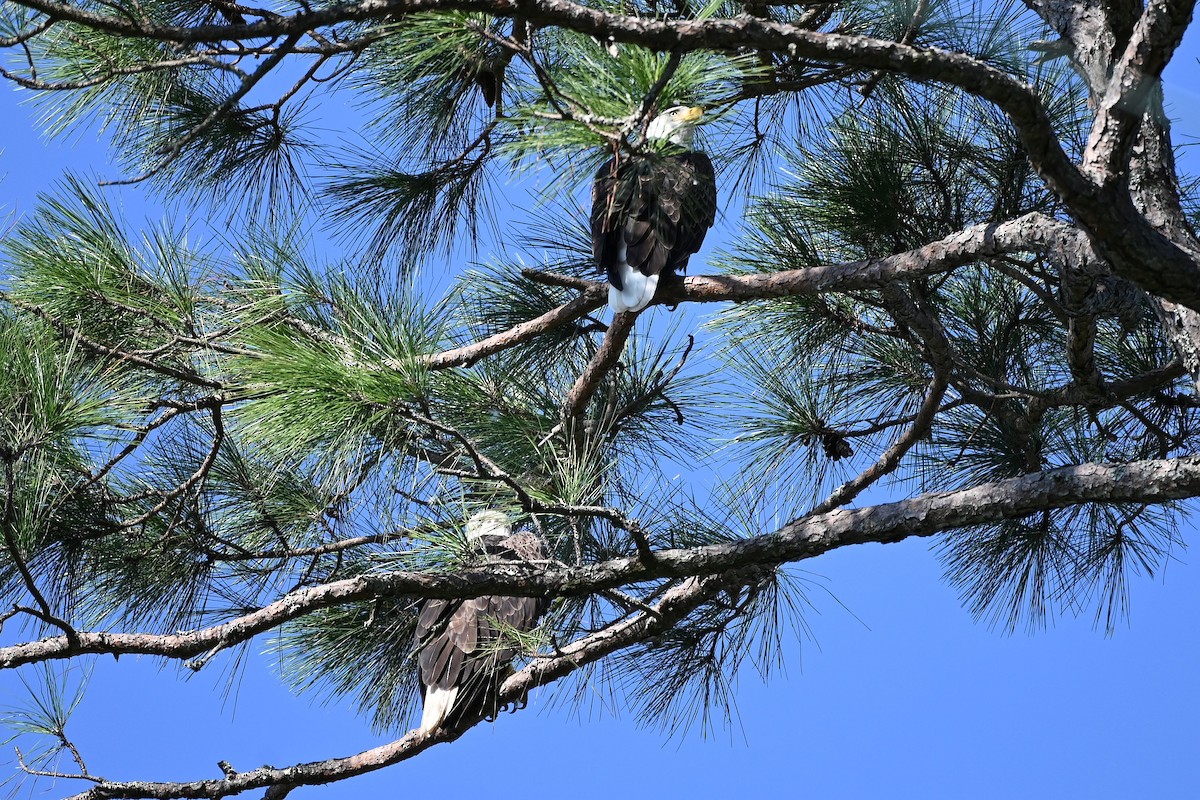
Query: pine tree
[955, 269]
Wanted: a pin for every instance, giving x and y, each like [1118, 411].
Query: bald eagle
[463, 652]
[650, 212]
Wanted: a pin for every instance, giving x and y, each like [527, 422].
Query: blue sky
[900, 694]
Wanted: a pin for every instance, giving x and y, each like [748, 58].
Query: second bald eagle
[465, 648]
[650, 211]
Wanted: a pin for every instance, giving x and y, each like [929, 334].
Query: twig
[909, 34]
[659, 386]
[114, 352]
[199, 475]
[587, 302]
[142, 432]
[651, 99]
[883, 425]
[891, 457]
[173, 151]
[557, 279]
[41, 773]
[8, 524]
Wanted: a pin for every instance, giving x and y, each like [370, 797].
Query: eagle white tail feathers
[638, 292]
[438, 703]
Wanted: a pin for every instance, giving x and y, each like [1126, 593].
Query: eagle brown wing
[608, 200]
[697, 191]
[464, 644]
[658, 206]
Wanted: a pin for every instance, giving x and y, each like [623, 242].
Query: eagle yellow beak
[692, 114]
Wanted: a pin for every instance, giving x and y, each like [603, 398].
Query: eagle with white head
[650, 211]
[463, 652]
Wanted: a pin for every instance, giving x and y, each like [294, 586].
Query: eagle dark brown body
[651, 211]
[465, 648]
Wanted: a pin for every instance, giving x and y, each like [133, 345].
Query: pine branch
[565, 314]
[1151, 481]
[1030, 233]
[116, 353]
[673, 606]
[192, 482]
[173, 150]
[1124, 236]
[890, 459]
[602, 362]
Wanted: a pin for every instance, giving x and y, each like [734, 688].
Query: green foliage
[1022, 571]
[55, 404]
[191, 430]
[596, 95]
[358, 650]
[416, 213]
[249, 156]
[613, 82]
[75, 262]
[422, 79]
[111, 88]
[686, 678]
[337, 372]
[39, 724]
[50, 397]
[167, 112]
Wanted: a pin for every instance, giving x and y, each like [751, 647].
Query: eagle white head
[491, 523]
[676, 124]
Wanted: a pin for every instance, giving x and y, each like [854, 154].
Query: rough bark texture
[1154, 481]
[1102, 40]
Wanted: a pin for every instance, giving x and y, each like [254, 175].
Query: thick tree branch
[1151, 481]
[1107, 38]
[604, 360]
[675, 604]
[589, 301]
[1130, 91]
[1018, 100]
[1032, 233]
[1121, 233]
[1035, 233]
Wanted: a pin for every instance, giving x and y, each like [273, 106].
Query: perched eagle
[463, 652]
[650, 212]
